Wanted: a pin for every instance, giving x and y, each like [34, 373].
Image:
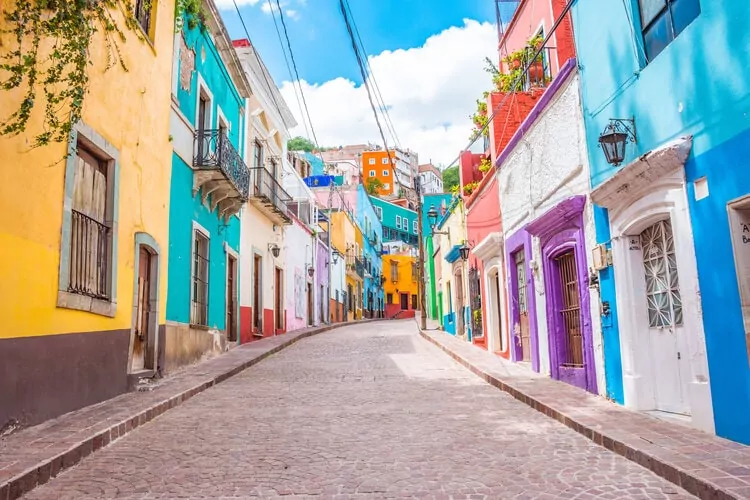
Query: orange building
[377, 165]
[400, 287]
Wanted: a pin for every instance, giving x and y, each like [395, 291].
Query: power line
[260, 63]
[378, 94]
[296, 73]
[288, 67]
[366, 83]
[518, 79]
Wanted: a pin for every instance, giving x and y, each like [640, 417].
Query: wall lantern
[274, 248]
[615, 137]
[464, 251]
[336, 256]
[310, 271]
[432, 216]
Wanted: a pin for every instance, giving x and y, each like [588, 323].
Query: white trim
[495, 314]
[666, 198]
[220, 117]
[203, 87]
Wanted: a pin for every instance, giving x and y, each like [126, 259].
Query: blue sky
[319, 38]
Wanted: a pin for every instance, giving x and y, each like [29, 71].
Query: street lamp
[614, 139]
[432, 215]
[464, 251]
[336, 256]
[310, 271]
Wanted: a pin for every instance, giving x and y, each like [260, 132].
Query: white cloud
[229, 4]
[430, 90]
[292, 14]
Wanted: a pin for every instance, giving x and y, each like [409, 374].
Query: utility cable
[517, 80]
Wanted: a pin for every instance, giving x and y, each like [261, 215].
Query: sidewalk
[706, 466]
[32, 456]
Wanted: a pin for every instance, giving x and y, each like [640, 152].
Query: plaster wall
[550, 164]
[299, 251]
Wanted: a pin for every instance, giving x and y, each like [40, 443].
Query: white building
[431, 179]
[266, 215]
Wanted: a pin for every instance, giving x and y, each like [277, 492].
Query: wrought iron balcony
[359, 267]
[220, 172]
[267, 195]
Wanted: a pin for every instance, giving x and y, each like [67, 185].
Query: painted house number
[745, 233]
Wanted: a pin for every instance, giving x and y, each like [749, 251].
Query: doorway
[567, 345]
[523, 335]
[497, 310]
[143, 342]
[459, 286]
[404, 301]
[257, 295]
[231, 325]
[310, 303]
[666, 332]
[278, 305]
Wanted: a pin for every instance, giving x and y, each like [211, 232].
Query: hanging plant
[52, 55]
[485, 165]
[470, 187]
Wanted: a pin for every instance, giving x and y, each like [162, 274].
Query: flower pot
[515, 64]
[536, 73]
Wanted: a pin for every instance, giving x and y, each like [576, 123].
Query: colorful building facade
[79, 246]
[440, 203]
[400, 286]
[672, 213]
[209, 185]
[266, 215]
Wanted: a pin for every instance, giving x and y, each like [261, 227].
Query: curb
[42, 472]
[693, 484]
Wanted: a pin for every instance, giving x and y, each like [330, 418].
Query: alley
[365, 411]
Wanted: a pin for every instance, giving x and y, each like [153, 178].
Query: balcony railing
[540, 72]
[269, 193]
[359, 267]
[213, 151]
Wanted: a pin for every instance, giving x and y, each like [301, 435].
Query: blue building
[372, 230]
[209, 185]
[673, 214]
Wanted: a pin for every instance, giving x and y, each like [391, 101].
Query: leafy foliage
[470, 187]
[450, 178]
[373, 185]
[52, 52]
[485, 165]
[300, 143]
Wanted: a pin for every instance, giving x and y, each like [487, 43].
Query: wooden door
[231, 299]
[279, 300]
[524, 336]
[257, 297]
[404, 301]
[309, 304]
[143, 310]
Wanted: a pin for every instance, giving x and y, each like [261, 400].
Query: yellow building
[401, 288]
[83, 237]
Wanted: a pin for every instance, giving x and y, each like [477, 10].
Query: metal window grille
[662, 283]
[200, 280]
[475, 298]
[570, 310]
[523, 336]
[90, 247]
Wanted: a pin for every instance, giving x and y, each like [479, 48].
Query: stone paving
[365, 411]
[705, 465]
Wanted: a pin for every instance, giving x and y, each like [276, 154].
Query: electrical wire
[518, 79]
[288, 67]
[296, 73]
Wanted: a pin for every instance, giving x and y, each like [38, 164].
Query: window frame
[671, 34]
[371, 161]
[108, 154]
[257, 153]
[386, 173]
[414, 227]
[398, 222]
[198, 229]
[372, 173]
[384, 161]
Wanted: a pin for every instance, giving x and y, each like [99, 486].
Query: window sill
[68, 300]
[198, 326]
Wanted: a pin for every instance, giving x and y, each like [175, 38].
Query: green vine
[52, 52]
[190, 11]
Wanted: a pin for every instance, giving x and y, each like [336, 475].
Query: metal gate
[523, 307]
[570, 311]
[475, 300]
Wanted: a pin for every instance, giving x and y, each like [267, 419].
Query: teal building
[210, 182]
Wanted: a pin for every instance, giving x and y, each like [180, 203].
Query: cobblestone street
[365, 411]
